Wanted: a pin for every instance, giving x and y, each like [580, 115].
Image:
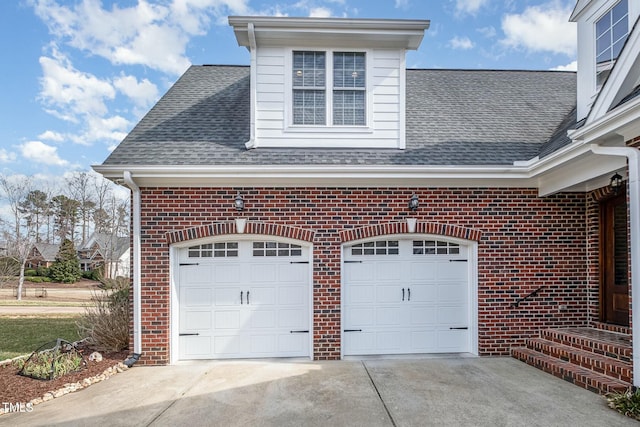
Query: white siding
[384, 110]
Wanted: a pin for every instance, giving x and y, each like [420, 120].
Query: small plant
[52, 361]
[106, 322]
[627, 403]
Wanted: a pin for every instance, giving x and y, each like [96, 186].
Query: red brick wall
[526, 242]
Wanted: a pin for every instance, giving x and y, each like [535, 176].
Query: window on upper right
[612, 30]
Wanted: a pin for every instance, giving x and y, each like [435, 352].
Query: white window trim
[329, 127]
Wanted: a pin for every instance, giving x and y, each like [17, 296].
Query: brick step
[611, 344]
[567, 371]
[598, 363]
[612, 328]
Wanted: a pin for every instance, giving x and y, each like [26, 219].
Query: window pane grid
[270, 249]
[382, 247]
[611, 33]
[217, 250]
[435, 247]
[309, 80]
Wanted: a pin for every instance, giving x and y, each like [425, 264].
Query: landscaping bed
[15, 388]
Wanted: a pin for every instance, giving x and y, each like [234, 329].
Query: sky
[77, 75]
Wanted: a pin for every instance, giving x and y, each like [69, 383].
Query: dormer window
[345, 103]
[612, 30]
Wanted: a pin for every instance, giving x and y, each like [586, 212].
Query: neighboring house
[111, 253]
[325, 202]
[42, 255]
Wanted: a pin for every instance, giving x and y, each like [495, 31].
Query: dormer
[603, 28]
[327, 82]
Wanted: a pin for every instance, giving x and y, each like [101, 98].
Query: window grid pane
[309, 98]
[270, 249]
[381, 247]
[435, 247]
[612, 30]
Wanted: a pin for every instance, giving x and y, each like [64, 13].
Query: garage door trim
[472, 263]
[174, 262]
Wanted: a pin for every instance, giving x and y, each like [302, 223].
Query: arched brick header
[229, 227]
[402, 228]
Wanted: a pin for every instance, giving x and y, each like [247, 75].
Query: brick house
[107, 252]
[42, 255]
[327, 202]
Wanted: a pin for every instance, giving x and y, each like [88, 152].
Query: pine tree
[66, 268]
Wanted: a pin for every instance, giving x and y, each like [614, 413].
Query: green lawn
[23, 335]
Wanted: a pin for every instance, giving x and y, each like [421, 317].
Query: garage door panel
[423, 315]
[385, 271]
[360, 294]
[434, 276]
[452, 293]
[388, 294]
[262, 319]
[423, 271]
[226, 274]
[293, 273]
[389, 316]
[195, 274]
[243, 301]
[452, 271]
[226, 319]
[225, 296]
[421, 293]
[364, 316]
[359, 273]
[197, 320]
[455, 316]
[196, 347]
[196, 297]
[264, 273]
[292, 296]
[292, 318]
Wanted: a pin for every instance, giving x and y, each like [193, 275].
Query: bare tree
[20, 235]
[80, 186]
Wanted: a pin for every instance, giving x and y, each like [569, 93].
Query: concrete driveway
[375, 392]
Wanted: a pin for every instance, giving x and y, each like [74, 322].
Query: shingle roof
[453, 117]
[48, 251]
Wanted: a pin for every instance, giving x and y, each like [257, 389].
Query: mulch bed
[16, 388]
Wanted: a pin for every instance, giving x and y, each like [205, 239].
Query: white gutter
[252, 86]
[633, 155]
[137, 306]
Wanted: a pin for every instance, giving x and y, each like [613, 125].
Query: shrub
[106, 322]
[627, 403]
[66, 268]
[43, 271]
[30, 272]
[92, 274]
[37, 279]
[52, 362]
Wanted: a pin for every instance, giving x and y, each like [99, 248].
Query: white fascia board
[610, 123]
[334, 176]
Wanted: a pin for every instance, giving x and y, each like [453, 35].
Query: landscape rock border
[72, 387]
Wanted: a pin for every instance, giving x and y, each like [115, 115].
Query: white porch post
[633, 155]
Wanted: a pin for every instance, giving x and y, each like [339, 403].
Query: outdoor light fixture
[615, 183]
[413, 202]
[239, 202]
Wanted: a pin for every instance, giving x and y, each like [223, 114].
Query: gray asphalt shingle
[453, 117]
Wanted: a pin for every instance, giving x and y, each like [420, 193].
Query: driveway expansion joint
[375, 387]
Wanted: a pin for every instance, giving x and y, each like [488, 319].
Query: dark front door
[614, 261]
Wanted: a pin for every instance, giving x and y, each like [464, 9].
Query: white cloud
[320, 12]
[463, 43]
[50, 135]
[69, 92]
[572, 66]
[541, 28]
[402, 4]
[6, 156]
[470, 7]
[143, 93]
[40, 152]
[489, 32]
[153, 35]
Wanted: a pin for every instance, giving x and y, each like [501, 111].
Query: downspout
[137, 306]
[252, 86]
[633, 156]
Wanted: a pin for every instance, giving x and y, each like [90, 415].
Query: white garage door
[406, 296]
[244, 299]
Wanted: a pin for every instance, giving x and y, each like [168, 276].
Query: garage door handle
[402, 294]
[461, 328]
[188, 335]
[300, 332]
[240, 297]
[352, 262]
[408, 294]
[353, 330]
[247, 297]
